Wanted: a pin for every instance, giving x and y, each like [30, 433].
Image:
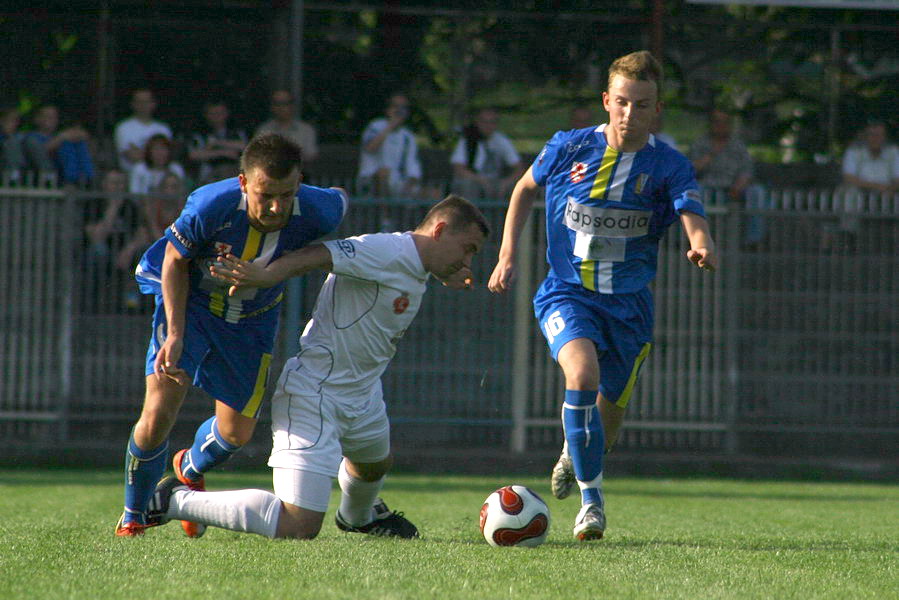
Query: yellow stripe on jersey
[251, 248]
[217, 304]
[604, 173]
[632, 380]
[217, 300]
[252, 408]
[599, 190]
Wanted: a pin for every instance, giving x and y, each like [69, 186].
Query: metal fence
[790, 349]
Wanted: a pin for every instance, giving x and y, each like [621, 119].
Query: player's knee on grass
[298, 523]
[369, 471]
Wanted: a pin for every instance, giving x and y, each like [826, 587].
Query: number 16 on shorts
[553, 326]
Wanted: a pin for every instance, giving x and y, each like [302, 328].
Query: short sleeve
[509, 154]
[547, 161]
[683, 190]
[364, 257]
[850, 162]
[194, 226]
[372, 131]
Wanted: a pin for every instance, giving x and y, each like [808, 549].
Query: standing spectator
[485, 163]
[157, 162]
[388, 163]
[722, 162]
[12, 150]
[284, 121]
[64, 153]
[131, 135]
[217, 146]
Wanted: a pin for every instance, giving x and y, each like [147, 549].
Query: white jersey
[371, 296]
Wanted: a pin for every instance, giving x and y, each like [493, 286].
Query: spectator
[147, 174]
[870, 166]
[581, 116]
[284, 121]
[388, 162]
[485, 163]
[107, 233]
[160, 209]
[216, 147]
[131, 135]
[12, 150]
[64, 153]
[722, 162]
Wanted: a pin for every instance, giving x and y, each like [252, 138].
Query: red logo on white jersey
[401, 304]
[221, 248]
[578, 170]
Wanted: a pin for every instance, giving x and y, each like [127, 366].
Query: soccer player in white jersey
[611, 192]
[328, 415]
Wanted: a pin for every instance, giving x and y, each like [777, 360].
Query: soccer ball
[514, 516]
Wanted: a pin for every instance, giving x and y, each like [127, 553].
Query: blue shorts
[229, 361]
[619, 324]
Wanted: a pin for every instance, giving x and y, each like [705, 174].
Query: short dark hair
[276, 155]
[458, 213]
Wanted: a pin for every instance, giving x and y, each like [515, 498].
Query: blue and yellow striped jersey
[214, 222]
[607, 210]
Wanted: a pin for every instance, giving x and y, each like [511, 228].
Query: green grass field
[683, 538]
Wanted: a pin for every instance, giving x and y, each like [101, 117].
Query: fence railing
[791, 348]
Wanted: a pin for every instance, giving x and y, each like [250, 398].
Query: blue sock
[586, 442]
[143, 470]
[208, 451]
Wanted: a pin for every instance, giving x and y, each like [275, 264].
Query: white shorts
[313, 429]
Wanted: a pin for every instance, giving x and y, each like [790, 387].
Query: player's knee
[581, 377]
[299, 531]
[370, 471]
[298, 524]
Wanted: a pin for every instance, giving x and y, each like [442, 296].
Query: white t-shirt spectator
[142, 179]
[859, 162]
[491, 156]
[399, 153]
[134, 132]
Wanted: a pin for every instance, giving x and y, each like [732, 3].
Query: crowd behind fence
[792, 348]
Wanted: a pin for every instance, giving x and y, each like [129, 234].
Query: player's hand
[704, 258]
[502, 277]
[463, 279]
[166, 364]
[241, 273]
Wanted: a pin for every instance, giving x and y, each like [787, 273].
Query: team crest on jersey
[640, 183]
[401, 304]
[221, 248]
[578, 171]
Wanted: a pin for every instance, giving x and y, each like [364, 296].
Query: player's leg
[620, 367]
[584, 432]
[247, 511]
[147, 451]
[365, 444]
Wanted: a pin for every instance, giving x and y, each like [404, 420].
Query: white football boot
[562, 478]
[590, 523]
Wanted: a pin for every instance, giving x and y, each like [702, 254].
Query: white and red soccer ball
[514, 516]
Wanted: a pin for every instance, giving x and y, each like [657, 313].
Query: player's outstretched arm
[242, 273]
[702, 251]
[520, 204]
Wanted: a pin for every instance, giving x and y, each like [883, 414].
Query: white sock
[249, 511]
[357, 497]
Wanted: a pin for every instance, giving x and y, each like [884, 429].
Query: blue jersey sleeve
[201, 218]
[547, 161]
[324, 208]
[683, 190]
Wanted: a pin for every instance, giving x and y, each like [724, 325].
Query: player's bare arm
[520, 204]
[242, 273]
[175, 286]
[702, 248]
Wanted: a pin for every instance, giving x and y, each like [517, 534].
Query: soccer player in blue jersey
[220, 343]
[611, 192]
